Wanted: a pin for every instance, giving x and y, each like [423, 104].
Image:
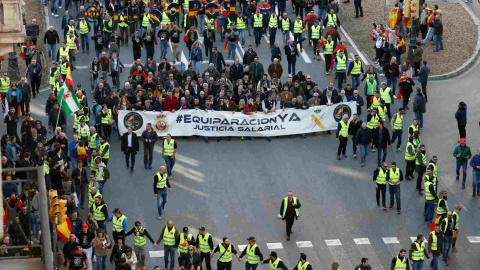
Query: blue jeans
[85, 42]
[232, 46]
[101, 184]
[52, 49]
[98, 52]
[163, 48]
[463, 163]
[94, 82]
[392, 81]
[196, 66]
[53, 6]
[395, 191]
[249, 266]
[101, 261]
[438, 40]
[434, 262]
[428, 210]
[201, 23]
[363, 152]
[355, 82]
[242, 34]
[169, 163]
[397, 133]
[446, 244]
[169, 251]
[419, 116]
[35, 225]
[475, 180]
[321, 13]
[429, 35]
[163, 195]
[417, 265]
[74, 163]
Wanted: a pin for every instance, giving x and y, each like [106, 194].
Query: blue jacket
[199, 53]
[474, 162]
[17, 91]
[12, 151]
[72, 148]
[124, 224]
[30, 71]
[360, 103]
[423, 74]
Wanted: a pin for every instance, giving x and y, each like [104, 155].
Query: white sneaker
[53, 14]
[94, 258]
[60, 7]
[56, 15]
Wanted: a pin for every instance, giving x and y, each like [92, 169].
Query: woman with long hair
[196, 56]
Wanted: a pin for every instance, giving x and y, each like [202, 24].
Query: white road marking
[274, 245]
[361, 241]
[473, 239]
[350, 40]
[226, 61]
[390, 240]
[240, 47]
[302, 54]
[156, 254]
[267, 39]
[339, 254]
[241, 248]
[333, 242]
[240, 56]
[187, 188]
[353, 56]
[414, 238]
[201, 39]
[323, 56]
[304, 244]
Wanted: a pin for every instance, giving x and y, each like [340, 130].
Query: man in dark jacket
[216, 58]
[237, 70]
[356, 97]
[353, 128]
[149, 137]
[423, 78]
[363, 139]
[79, 175]
[438, 34]
[51, 38]
[419, 107]
[249, 55]
[130, 147]
[365, 265]
[69, 247]
[392, 71]
[381, 140]
[461, 116]
[291, 52]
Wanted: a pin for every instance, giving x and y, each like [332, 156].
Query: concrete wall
[24, 264]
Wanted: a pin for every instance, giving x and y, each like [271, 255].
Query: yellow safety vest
[341, 63]
[162, 181]
[93, 166]
[372, 124]
[139, 238]
[285, 203]
[169, 236]
[274, 265]
[240, 23]
[424, 159]
[92, 140]
[225, 253]
[297, 27]
[63, 67]
[285, 24]
[117, 223]
[435, 172]
[106, 119]
[457, 220]
[52, 77]
[434, 242]
[357, 67]
[91, 199]
[381, 177]
[385, 94]
[76, 120]
[301, 266]
[257, 21]
[185, 5]
[211, 22]
[398, 123]
[329, 47]
[168, 148]
[63, 52]
[183, 240]
[376, 102]
[332, 20]
[229, 23]
[401, 264]
[371, 87]
[146, 21]
[414, 128]
[273, 23]
[107, 154]
[83, 27]
[83, 132]
[394, 177]
[251, 258]
[203, 245]
[46, 168]
[428, 195]
[382, 112]
[122, 22]
[408, 156]
[344, 130]
[4, 85]
[440, 210]
[165, 19]
[71, 43]
[316, 32]
[97, 212]
[419, 255]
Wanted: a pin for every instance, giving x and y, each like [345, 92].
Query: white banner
[222, 123]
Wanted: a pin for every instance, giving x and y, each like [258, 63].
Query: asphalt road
[235, 188]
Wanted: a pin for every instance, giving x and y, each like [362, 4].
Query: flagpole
[59, 112]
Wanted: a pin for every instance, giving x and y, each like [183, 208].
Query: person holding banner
[342, 136]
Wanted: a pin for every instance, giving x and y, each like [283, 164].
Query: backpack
[106, 173]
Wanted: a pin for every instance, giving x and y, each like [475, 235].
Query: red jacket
[170, 104]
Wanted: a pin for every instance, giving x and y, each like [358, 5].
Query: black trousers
[150, 51]
[381, 189]
[224, 265]
[358, 7]
[117, 235]
[148, 153]
[462, 130]
[80, 189]
[423, 30]
[328, 62]
[416, 68]
[291, 65]
[410, 168]
[342, 146]
[207, 258]
[24, 106]
[424, 90]
[130, 158]
[420, 171]
[36, 80]
[289, 219]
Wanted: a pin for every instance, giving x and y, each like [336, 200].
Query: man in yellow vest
[286, 25]
[332, 20]
[420, 166]
[83, 131]
[84, 29]
[328, 51]
[4, 86]
[257, 27]
[160, 184]
[52, 74]
[397, 123]
[442, 205]
[170, 236]
[302, 263]
[124, 31]
[241, 25]
[186, 241]
[387, 96]
[104, 152]
[145, 21]
[169, 151]
[139, 241]
[456, 220]
[273, 27]
[298, 29]
[72, 45]
[225, 249]
[100, 212]
[400, 262]
[274, 262]
[435, 240]
[342, 136]
[394, 178]
[380, 181]
[315, 36]
[63, 51]
[119, 225]
[289, 212]
[430, 197]
[204, 245]
[418, 252]
[410, 152]
[355, 70]
[63, 67]
[340, 67]
[252, 253]
[447, 228]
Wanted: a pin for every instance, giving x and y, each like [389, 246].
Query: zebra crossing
[347, 252]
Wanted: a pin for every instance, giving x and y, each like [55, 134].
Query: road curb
[459, 71]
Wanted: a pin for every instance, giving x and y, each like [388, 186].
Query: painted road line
[241, 248]
[350, 40]
[361, 241]
[240, 56]
[240, 47]
[201, 39]
[414, 238]
[393, 245]
[307, 248]
[323, 56]
[473, 239]
[366, 250]
[87, 67]
[226, 61]
[156, 254]
[353, 56]
[278, 248]
[302, 54]
[267, 39]
[338, 253]
[390, 240]
[274, 245]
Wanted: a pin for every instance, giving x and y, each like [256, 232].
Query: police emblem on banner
[134, 120]
[173, 11]
[161, 124]
[340, 110]
[211, 10]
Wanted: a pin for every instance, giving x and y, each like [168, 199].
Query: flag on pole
[5, 106]
[68, 100]
[64, 229]
[183, 63]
